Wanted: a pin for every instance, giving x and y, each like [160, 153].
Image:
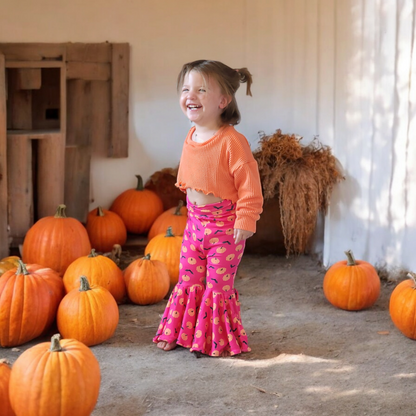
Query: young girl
[221, 179]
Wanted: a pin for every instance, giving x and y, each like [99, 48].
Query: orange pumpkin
[351, 284]
[100, 270]
[5, 406]
[29, 298]
[8, 263]
[89, 314]
[55, 378]
[147, 280]
[105, 228]
[167, 248]
[138, 208]
[56, 241]
[402, 306]
[173, 217]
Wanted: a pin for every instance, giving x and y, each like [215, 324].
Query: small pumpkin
[138, 208]
[167, 248]
[56, 241]
[61, 377]
[29, 298]
[89, 314]
[5, 406]
[402, 306]
[147, 280]
[173, 217]
[105, 228]
[351, 284]
[100, 270]
[8, 263]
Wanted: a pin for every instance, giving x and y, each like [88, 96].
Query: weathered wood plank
[29, 78]
[88, 52]
[77, 181]
[4, 237]
[32, 51]
[20, 187]
[119, 138]
[50, 174]
[100, 117]
[88, 71]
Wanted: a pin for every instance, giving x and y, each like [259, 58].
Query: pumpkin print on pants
[203, 311]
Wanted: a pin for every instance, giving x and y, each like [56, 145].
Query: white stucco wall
[340, 69]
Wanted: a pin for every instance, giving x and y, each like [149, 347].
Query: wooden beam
[50, 174]
[32, 51]
[88, 52]
[34, 64]
[119, 137]
[29, 78]
[20, 185]
[88, 71]
[4, 236]
[19, 114]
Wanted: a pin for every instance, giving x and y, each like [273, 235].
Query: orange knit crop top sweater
[224, 166]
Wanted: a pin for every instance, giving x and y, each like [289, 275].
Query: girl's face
[201, 100]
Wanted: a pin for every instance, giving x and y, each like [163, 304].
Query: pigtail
[245, 76]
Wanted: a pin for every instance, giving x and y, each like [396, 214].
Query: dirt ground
[308, 358]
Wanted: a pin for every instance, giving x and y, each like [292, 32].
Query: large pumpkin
[166, 248]
[55, 378]
[5, 406]
[100, 270]
[173, 217]
[351, 284]
[29, 298]
[105, 228]
[89, 314]
[147, 280]
[56, 241]
[402, 306]
[138, 208]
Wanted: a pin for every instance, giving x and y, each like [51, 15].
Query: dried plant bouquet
[302, 177]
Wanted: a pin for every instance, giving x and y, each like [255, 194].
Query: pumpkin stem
[350, 257]
[139, 183]
[146, 257]
[178, 208]
[60, 212]
[100, 212]
[84, 285]
[55, 344]
[93, 253]
[413, 277]
[21, 268]
[169, 232]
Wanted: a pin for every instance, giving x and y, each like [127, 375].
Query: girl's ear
[225, 100]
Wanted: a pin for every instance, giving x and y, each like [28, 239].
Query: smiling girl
[221, 179]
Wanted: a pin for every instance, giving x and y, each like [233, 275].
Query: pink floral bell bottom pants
[203, 311]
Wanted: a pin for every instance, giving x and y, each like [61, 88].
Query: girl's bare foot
[225, 353]
[166, 346]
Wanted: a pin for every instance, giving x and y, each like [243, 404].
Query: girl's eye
[201, 90]
[185, 90]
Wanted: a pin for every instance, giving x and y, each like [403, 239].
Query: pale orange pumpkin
[167, 248]
[55, 378]
[8, 263]
[89, 314]
[351, 284]
[100, 270]
[105, 228]
[5, 406]
[56, 241]
[29, 298]
[173, 217]
[138, 208]
[147, 280]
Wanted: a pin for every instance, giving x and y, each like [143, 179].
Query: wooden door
[4, 243]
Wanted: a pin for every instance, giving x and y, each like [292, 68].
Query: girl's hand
[240, 235]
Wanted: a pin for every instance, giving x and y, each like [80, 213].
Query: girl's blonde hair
[229, 80]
